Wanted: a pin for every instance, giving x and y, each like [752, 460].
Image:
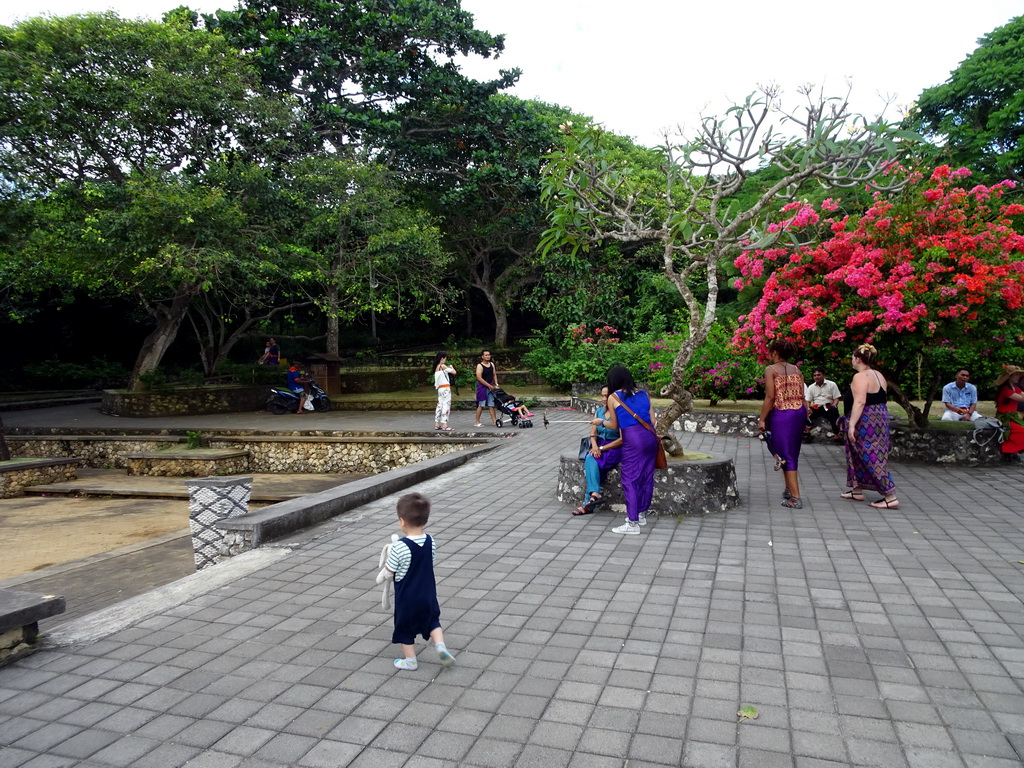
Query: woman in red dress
[1009, 395]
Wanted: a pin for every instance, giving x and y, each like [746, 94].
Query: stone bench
[694, 487]
[195, 462]
[17, 474]
[20, 614]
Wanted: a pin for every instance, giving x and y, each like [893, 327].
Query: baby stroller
[507, 404]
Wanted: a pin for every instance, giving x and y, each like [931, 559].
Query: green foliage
[54, 374]
[371, 70]
[193, 440]
[718, 372]
[96, 97]
[584, 354]
[155, 381]
[356, 240]
[978, 113]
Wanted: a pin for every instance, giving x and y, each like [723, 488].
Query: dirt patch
[44, 531]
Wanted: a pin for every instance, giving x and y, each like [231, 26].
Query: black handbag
[584, 447]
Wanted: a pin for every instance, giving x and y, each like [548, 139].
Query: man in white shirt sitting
[960, 398]
[821, 398]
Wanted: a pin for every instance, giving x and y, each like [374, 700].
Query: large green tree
[109, 130]
[977, 115]
[696, 225]
[358, 243]
[365, 71]
[96, 97]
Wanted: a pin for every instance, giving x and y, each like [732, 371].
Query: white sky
[644, 66]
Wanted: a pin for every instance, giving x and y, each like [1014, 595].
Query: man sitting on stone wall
[960, 398]
[821, 398]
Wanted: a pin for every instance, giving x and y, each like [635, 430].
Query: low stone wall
[300, 452]
[954, 447]
[368, 455]
[947, 445]
[201, 462]
[697, 487]
[95, 451]
[187, 402]
[16, 474]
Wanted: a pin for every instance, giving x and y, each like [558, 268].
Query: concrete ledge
[20, 614]
[698, 487]
[256, 528]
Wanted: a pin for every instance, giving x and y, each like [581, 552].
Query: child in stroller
[514, 409]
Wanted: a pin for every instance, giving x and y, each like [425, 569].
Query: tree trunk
[932, 390]
[168, 321]
[915, 416]
[469, 313]
[331, 344]
[500, 319]
[5, 453]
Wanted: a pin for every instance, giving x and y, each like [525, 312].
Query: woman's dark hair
[785, 349]
[867, 354]
[619, 377]
[437, 359]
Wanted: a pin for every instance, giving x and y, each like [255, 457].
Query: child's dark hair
[437, 360]
[414, 508]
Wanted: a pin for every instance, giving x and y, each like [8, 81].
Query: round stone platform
[696, 487]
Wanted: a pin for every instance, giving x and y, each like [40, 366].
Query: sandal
[588, 508]
[793, 503]
[886, 504]
[786, 494]
[854, 495]
[445, 429]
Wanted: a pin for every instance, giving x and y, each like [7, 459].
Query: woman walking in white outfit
[443, 385]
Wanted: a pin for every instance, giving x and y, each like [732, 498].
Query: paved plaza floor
[862, 637]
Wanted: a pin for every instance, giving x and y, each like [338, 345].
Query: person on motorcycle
[296, 382]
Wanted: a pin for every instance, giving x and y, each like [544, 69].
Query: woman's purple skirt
[787, 428]
[867, 457]
[639, 448]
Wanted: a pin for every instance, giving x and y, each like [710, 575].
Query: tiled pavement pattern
[862, 637]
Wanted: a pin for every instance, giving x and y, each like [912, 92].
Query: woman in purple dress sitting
[784, 414]
[627, 403]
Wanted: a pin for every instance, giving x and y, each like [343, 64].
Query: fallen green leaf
[748, 713]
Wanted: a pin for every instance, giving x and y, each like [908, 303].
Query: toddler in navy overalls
[411, 560]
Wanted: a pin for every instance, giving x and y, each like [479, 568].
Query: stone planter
[697, 487]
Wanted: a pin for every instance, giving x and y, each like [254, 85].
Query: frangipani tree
[594, 199]
[939, 265]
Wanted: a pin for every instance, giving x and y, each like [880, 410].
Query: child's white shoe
[410, 664]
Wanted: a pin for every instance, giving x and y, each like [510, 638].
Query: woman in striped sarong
[866, 426]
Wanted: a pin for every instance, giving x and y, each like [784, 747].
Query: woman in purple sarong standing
[867, 432]
[783, 413]
[639, 445]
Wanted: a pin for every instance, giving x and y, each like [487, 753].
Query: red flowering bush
[940, 261]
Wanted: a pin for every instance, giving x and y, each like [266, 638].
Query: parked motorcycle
[283, 400]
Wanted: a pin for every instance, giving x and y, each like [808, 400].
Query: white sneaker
[642, 520]
[630, 529]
